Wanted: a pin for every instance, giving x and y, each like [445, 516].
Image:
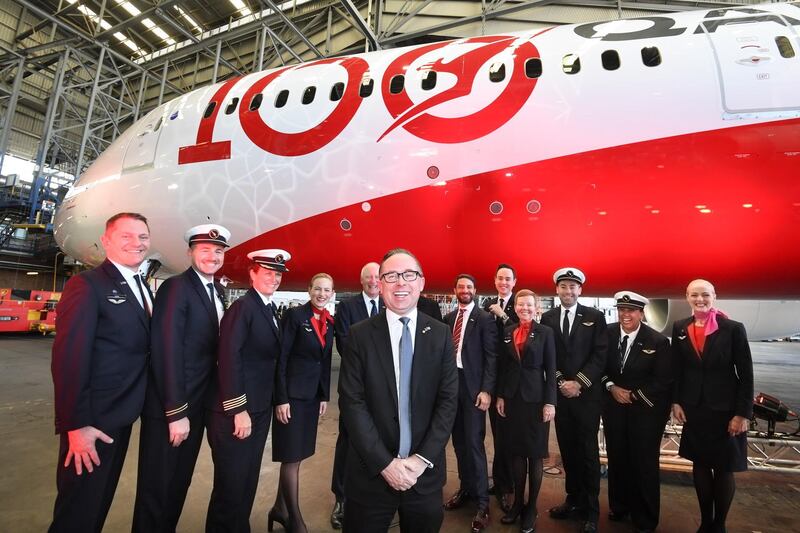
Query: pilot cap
[212, 233]
[273, 259]
[569, 274]
[631, 300]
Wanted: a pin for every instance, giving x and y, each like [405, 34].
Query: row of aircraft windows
[570, 64]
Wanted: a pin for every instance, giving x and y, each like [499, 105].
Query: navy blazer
[350, 311]
[585, 361]
[249, 346]
[478, 350]
[534, 373]
[185, 330]
[99, 363]
[304, 366]
[648, 369]
[368, 403]
[723, 378]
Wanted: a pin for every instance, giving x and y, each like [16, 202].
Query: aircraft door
[758, 62]
[141, 151]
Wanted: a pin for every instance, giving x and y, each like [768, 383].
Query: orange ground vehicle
[26, 310]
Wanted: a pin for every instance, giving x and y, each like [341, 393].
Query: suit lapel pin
[649, 352]
[681, 337]
[587, 324]
[426, 329]
[506, 340]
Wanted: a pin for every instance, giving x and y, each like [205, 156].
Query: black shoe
[275, 516]
[615, 516]
[512, 514]
[505, 502]
[481, 520]
[458, 499]
[563, 511]
[529, 516]
[588, 527]
[337, 515]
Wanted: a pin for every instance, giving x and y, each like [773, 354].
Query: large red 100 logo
[414, 118]
[417, 121]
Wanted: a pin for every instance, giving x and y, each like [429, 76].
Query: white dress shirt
[631, 338]
[367, 303]
[395, 333]
[571, 317]
[128, 274]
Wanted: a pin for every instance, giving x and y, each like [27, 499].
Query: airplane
[647, 152]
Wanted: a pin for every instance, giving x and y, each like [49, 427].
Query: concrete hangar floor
[765, 501]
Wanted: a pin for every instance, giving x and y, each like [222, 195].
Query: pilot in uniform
[184, 333]
[581, 342]
[241, 405]
[636, 406]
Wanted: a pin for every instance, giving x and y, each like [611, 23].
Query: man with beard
[581, 342]
[475, 343]
[184, 330]
[351, 311]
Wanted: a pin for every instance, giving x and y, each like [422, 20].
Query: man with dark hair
[99, 372]
[502, 309]
[396, 460]
[581, 342]
[475, 341]
[360, 307]
[185, 330]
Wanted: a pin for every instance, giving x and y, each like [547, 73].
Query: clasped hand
[402, 474]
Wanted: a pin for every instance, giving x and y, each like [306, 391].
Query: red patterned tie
[457, 329]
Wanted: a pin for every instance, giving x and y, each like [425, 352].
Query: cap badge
[279, 258]
[213, 233]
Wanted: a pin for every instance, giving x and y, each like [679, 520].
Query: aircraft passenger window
[366, 87]
[396, 84]
[533, 67]
[232, 106]
[784, 46]
[210, 109]
[497, 72]
[282, 97]
[308, 95]
[255, 103]
[610, 59]
[651, 56]
[337, 91]
[571, 64]
[429, 80]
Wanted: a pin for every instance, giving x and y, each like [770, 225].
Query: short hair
[398, 251]
[317, 276]
[526, 292]
[135, 216]
[463, 276]
[506, 265]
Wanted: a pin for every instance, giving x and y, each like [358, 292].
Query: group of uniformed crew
[185, 362]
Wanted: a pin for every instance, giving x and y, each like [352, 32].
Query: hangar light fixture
[195, 26]
[241, 7]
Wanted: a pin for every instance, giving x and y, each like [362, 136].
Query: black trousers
[340, 462]
[469, 432]
[165, 473]
[633, 442]
[237, 465]
[502, 461]
[83, 501]
[577, 424]
[419, 513]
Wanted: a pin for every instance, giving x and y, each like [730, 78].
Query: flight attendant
[241, 406]
[638, 380]
[526, 397]
[713, 399]
[183, 361]
[302, 391]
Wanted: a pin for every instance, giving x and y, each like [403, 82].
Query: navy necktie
[565, 326]
[374, 309]
[623, 347]
[406, 358]
[145, 302]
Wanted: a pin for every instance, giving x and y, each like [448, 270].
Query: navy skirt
[528, 436]
[705, 440]
[296, 440]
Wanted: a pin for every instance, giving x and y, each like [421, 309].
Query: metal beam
[90, 110]
[11, 109]
[362, 26]
[294, 28]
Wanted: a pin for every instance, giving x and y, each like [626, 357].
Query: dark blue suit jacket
[723, 378]
[478, 350]
[350, 311]
[368, 403]
[249, 346]
[100, 353]
[184, 338]
[304, 367]
[534, 373]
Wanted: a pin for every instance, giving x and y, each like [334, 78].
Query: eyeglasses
[394, 277]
